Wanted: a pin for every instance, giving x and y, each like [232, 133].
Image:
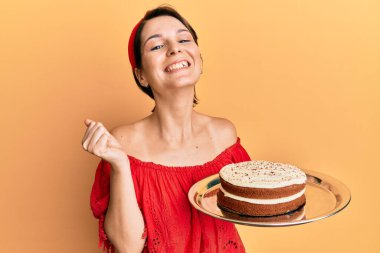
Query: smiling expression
[170, 56]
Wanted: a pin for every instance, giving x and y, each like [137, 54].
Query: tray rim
[336, 187]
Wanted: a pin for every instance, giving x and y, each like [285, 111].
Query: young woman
[147, 167]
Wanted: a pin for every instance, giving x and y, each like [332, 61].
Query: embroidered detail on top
[230, 245]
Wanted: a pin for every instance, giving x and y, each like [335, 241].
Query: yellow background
[300, 80]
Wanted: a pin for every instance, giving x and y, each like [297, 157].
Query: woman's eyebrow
[160, 35]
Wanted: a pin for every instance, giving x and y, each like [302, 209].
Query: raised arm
[124, 223]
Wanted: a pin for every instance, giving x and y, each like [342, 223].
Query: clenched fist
[98, 141]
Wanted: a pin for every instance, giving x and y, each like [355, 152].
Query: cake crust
[245, 208]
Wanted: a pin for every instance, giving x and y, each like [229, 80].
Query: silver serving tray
[325, 196]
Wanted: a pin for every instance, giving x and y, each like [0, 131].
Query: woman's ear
[140, 77]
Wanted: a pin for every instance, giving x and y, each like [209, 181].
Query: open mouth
[177, 66]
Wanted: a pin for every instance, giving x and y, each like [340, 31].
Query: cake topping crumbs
[262, 174]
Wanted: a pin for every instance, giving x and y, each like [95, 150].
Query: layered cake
[261, 188]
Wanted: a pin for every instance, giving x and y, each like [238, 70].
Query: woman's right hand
[98, 141]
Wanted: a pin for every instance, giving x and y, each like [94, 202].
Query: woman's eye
[184, 41]
[156, 47]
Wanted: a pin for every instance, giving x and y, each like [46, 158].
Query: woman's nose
[174, 49]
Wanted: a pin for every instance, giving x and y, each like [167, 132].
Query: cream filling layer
[263, 201]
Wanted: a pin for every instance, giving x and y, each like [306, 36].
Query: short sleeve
[99, 199]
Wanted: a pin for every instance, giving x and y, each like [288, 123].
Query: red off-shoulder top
[172, 224]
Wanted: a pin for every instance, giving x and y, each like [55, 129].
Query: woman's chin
[182, 82]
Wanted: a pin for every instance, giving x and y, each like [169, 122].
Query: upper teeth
[178, 65]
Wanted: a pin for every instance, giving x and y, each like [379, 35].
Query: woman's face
[170, 56]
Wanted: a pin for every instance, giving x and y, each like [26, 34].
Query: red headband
[131, 43]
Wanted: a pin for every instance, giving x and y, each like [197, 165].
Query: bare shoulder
[223, 131]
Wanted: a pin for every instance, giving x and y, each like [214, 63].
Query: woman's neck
[174, 119]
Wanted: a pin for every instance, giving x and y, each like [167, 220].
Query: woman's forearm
[124, 223]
